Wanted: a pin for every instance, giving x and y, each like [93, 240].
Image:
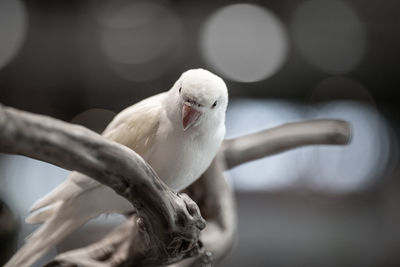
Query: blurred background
[84, 61]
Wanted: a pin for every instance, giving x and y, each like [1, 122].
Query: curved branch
[216, 200]
[77, 148]
[215, 197]
[73, 147]
[282, 138]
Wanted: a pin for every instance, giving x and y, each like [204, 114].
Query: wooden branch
[288, 136]
[217, 204]
[114, 250]
[215, 197]
[170, 223]
[141, 241]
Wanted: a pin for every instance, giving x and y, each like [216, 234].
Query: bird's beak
[189, 116]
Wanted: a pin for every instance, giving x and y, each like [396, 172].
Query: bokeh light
[329, 169]
[329, 34]
[244, 42]
[13, 26]
[283, 61]
[275, 172]
[24, 181]
[341, 88]
[140, 39]
[355, 166]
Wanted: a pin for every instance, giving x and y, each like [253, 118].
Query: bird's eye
[214, 105]
[180, 89]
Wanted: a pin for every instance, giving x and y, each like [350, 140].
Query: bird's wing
[135, 127]
[81, 198]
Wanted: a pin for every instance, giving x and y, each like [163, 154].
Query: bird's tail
[64, 191]
[59, 220]
[64, 210]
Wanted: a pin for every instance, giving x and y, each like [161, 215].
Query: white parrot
[177, 132]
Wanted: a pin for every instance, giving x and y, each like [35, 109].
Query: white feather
[153, 128]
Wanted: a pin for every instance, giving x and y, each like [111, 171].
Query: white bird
[177, 132]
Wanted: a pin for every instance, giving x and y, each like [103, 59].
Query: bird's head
[203, 98]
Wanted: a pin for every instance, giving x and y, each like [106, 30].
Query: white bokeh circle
[274, 172]
[356, 165]
[329, 34]
[13, 27]
[244, 42]
[141, 40]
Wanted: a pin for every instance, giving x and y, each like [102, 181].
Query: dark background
[62, 58]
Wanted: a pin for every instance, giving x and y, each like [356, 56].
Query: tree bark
[173, 237]
[143, 240]
[285, 137]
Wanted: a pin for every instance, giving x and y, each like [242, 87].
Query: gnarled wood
[178, 220]
[167, 226]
